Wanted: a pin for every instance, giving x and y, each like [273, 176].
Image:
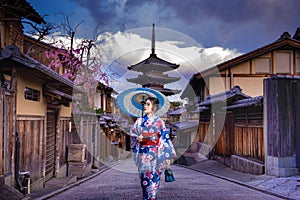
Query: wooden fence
[33, 138]
[242, 135]
[99, 139]
[249, 142]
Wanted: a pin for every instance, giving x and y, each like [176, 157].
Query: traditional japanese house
[16, 91]
[36, 105]
[248, 71]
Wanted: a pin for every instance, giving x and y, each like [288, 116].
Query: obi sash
[150, 139]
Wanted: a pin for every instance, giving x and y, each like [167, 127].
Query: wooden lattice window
[31, 94]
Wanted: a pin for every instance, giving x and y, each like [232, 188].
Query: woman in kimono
[152, 148]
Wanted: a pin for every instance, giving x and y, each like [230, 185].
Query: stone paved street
[122, 182]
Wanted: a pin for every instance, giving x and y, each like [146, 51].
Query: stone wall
[245, 165]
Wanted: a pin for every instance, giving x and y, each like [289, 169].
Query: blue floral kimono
[150, 154]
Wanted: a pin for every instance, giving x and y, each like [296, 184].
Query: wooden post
[297, 120]
[1, 130]
[108, 103]
[229, 131]
[14, 86]
[102, 99]
[279, 127]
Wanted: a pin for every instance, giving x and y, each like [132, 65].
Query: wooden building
[248, 71]
[15, 90]
[37, 118]
[36, 103]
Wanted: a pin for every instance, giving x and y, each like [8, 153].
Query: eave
[244, 103]
[23, 9]
[27, 66]
[233, 94]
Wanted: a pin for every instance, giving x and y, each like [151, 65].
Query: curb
[56, 192]
[239, 182]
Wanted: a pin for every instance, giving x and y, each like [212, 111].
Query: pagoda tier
[153, 78]
[160, 88]
[153, 63]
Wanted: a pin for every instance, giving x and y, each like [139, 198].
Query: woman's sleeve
[166, 146]
[134, 132]
[134, 144]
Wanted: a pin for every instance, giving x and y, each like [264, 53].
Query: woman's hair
[154, 101]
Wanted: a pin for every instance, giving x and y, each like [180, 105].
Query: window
[298, 64]
[283, 62]
[263, 65]
[31, 94]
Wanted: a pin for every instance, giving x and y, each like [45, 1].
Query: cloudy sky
[188, 32]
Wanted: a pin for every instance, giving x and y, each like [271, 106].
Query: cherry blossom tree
[79, 59]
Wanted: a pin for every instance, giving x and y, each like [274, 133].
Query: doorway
[50, 142]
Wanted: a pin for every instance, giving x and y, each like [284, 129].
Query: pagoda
[153, 71]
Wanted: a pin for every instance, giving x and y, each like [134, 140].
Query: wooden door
[6, 138]
[50, 143]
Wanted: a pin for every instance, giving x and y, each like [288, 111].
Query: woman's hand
[168, 162]
[140, 138]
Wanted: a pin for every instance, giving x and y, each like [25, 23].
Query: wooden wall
[32, 130]
[1, 132]
[8, 135]
[282, 130]
[203, 132]
[32, 145]
[280, 117]
[242, 134]
[249, 142]
[66, 138]
[98, 139]
[224, 143]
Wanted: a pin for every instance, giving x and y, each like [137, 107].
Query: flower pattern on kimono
[155, 177]
[145, 181]
[152, 125]
[152, 156]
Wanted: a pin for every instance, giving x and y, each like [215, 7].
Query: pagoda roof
[153, 63]
[166, 91]
[153, 78]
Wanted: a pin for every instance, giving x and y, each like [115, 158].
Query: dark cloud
[211, 22]
[120, 15]
[101, 11]
[229, 11]
[235, 11]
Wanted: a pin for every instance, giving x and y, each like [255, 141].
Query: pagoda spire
[153, 40]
